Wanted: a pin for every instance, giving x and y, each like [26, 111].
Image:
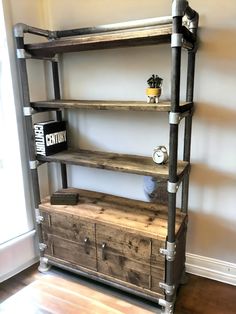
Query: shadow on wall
[202, 174]
[214, 233]
[219, 44]
[216, 114]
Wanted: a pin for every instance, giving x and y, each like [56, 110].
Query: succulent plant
[155, 81]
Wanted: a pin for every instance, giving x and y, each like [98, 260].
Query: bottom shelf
[113, 238]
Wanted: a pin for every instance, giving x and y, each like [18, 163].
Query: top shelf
[112, 39]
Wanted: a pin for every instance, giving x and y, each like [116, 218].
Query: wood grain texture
[69, 227]
[140, 165]
[119, 283]
[191, 299]
[76, 253]
[137, 217]
[125, 38]
[162, 106]
[54, 294]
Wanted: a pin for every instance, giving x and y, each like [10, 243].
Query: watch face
[158, 156]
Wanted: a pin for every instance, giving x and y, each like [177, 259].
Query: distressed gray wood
[71, 251]
[163, 106]
[133, 37]
[117, 162]
[138, 217]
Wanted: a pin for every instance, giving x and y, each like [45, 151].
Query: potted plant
[153, 92]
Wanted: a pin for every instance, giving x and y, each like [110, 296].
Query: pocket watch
[160, 155]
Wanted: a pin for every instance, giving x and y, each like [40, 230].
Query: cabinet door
[123, 255]
[69, 238]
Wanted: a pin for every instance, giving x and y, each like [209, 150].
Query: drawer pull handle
[86, 244]
[103, 251]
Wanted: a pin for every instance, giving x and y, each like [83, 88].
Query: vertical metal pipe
[57, 95]
[188, 128]
[29, 132]
[173, 148]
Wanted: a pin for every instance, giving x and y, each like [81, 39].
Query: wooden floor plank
[198, 296]
[52, 294]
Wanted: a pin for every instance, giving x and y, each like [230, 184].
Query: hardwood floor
[61, 292]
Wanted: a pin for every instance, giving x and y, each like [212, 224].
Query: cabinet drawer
[83, 254]
[68, 227]
[123, 255]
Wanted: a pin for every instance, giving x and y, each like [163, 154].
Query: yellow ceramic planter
[153, 94]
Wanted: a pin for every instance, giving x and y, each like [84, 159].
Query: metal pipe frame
[20, 29]
[179, 9]
[57, 95]
[115, 27]
[188, 128]
[25, 102]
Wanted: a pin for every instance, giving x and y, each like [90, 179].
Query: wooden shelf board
[163, 106]
[140, 165]
[125, 38]
[148, 219]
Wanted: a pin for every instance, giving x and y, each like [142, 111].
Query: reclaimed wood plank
[72, 252]
[140, 165]
[126, 38]
[162, 106]
[68, 227]
[124, 269]
[109, 279]
[131, 246]
[146, 219]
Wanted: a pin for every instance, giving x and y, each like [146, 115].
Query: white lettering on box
[55, 138]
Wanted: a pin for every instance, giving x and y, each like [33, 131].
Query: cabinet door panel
[79, 254]
[69, 227]
[124, 243]
[123, 255]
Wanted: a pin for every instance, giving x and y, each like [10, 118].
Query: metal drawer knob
[104, 251]
[86, 245]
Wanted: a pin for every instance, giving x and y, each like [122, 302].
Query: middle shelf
[163, 106]
[140, 165]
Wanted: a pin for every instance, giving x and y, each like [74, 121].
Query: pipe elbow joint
[193, 23]
[20, 29]
[179, 7]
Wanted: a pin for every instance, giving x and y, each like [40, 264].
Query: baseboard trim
[17, 255]
[19, 269]
[211, 268]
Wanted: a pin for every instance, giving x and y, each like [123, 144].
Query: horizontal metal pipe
[20, 29]
[104, 281]
[116, 26]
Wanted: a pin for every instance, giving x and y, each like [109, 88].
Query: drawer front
[76, 253]
[69, 238]
[123, 255]
[69, 227]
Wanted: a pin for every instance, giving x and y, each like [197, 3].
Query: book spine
[39, 139]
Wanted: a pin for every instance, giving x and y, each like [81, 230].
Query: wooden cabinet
[115, 237]
[132, 245]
